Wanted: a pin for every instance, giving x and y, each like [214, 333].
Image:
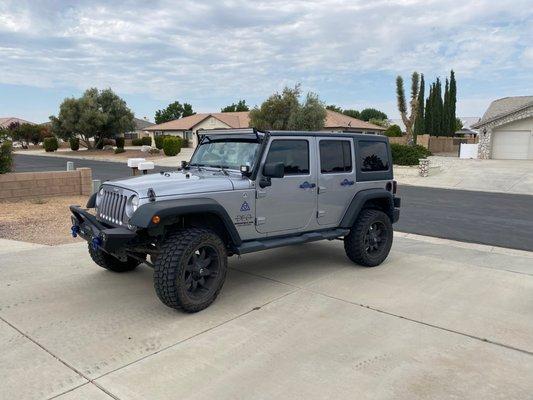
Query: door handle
[307, 185]
[346, 182]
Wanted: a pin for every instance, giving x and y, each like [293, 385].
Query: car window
[227, 154]
[293, 153]
[373, 155]
[335, 156]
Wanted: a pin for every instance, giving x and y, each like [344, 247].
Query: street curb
[466, 245]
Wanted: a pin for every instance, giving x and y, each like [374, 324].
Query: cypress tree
[438, 109]
[453, 101]
[446, 127]
[428, 117]
[420, 115]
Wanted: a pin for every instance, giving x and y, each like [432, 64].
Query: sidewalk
[437, 319]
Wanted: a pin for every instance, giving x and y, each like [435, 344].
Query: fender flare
[359, 201]
[166, 209]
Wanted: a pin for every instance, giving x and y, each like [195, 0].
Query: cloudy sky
[211, 53]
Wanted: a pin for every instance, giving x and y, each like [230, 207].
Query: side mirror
[274, 170]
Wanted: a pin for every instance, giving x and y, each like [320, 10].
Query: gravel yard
[42, 220]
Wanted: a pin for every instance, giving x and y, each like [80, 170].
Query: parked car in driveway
[242, 193]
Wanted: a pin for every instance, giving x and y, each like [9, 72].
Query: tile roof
[338, 120]
[241, 119]
[502, 107]
[6, 121]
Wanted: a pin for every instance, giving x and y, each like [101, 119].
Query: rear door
[336, 179]
[290, 203]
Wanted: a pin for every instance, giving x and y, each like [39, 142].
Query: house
[140, 128]
[506, 129]
[188, 127]
[6, 121]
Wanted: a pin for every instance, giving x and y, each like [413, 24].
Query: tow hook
[74, 230]
[96, 243]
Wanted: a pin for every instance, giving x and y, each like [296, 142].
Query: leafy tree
[379, 122]
[402, 105]
[458, 125]
[173, 111]
[27, 133]
[95, 115]
[333, 107]
[371, 113]
[284, 111]
[393, 131]
[240, 106]
[352, 113]
[419, 121]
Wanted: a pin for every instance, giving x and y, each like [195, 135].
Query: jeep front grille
[112, 207]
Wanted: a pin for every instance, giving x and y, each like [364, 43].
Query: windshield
[225, 154]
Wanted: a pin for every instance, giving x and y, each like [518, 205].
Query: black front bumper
[109, 239]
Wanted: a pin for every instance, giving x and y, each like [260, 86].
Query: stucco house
[506, 129]
[188, 127]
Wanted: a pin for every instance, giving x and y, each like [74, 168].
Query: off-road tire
[171, 269]
[354, 242]
[111, 263]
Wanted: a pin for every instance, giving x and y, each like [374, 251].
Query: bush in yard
[50, 144]
[137, 142]
[159, 141]
[120, 142]
[393, 131]
[185, 143]
[74, 143]
[171, 146]
[6, 157]
[146, 141]
[408, 155]
[119, 150]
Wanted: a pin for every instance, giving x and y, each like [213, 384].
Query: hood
[176, 182]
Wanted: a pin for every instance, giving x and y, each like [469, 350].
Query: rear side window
[293, 153]
[335, 156]
[373, 156]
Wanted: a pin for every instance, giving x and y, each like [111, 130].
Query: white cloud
[204, 50]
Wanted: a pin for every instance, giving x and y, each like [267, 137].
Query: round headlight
[99, 196]
[132, 205]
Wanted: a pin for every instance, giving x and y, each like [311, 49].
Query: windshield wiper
[222, 168]
[197, 165]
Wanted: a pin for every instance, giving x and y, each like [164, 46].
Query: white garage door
[511, 145]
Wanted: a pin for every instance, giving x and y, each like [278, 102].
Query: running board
[271, 243]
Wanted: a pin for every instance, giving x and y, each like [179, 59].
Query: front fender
[167, 210]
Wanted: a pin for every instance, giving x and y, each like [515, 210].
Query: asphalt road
[496, 219]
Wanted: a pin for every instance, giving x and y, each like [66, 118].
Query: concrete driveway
[505, 176]
[439, 319]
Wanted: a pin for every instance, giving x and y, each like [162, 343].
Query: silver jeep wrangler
[243, 191]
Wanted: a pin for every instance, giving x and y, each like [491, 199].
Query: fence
[437, 144]
[41, 184]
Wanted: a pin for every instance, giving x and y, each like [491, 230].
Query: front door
[290, 203]
[336, 179]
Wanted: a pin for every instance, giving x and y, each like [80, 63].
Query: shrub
[408, 155]
[185, 143]
[146, 141]
[137, 142]
[74, 143]
[120, 142]
[50, 144]
[171, 146]
[6, 157]
[119, 150]
[159, 141]
[393, 131]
